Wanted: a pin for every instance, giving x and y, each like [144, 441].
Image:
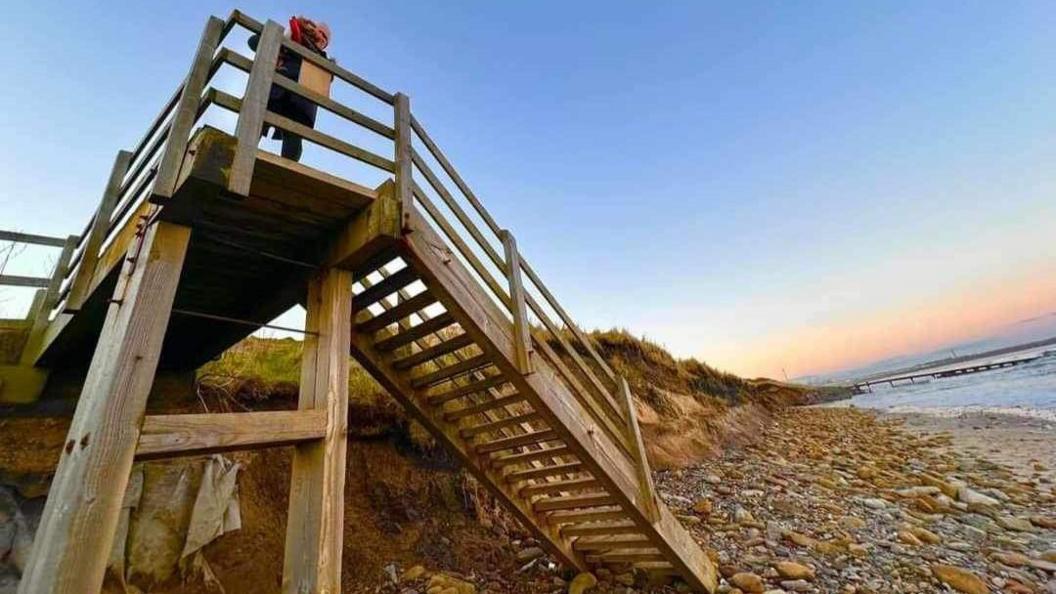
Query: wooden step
[574, 502]
[499, 425]
[628, 556]
[412, 334]
[611, 543]
[446, 373]
[565, 486]
[516, 441]
[430, 353]
[526, 457]
[483, 407]
[600, 529]
[577, 517]
[466, 390]
[387, 286]
[545, 471]
[400, 311]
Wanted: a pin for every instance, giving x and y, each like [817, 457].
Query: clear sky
[774, 185]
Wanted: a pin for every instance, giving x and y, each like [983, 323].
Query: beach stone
[530, 554]
[1011, 559]
[413, 573]
[874, 503]
[703, 506]
[1015, 524]
[791, 570]
[748, 582]
[582, 583]
[970, 496]
[959, 579]
[1043, 522]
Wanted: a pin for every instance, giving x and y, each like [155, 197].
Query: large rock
[959, 579]
[790, 570]
[582, 583]
[748, 582]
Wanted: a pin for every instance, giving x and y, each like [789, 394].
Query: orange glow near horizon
[969, 312]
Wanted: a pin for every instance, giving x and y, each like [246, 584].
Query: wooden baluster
[80, 283]
[522, 337]
[402, 156]
[186, 113]
[254, 106]
[51, 298]
[646, 489]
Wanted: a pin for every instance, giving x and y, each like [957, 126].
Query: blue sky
[724, 178]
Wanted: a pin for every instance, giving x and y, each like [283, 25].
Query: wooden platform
[249, 258]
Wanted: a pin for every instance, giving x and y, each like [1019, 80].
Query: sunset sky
[770, 187]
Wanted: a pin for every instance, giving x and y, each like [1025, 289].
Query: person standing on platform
[314, 35]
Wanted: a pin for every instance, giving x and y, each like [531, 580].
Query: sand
[1026, 443]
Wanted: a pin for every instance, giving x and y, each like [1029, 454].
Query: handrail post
[522, 337]
[402, 156]
[254, 106]
[51, 298]
[646, 489]
[186, 113]
[79, 284]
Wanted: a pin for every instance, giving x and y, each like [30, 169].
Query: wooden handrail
[245, 64]
[14, 280]
[490, 222]
[47, 240]
[333, 68]
[234, 104]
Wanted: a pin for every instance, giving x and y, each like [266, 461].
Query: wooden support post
[97, 232]
[521, 332]
[402, 157]
[51, 298]
[186, 113]
[646, 489]
[315, 522]
[254, 106]
[76, 531]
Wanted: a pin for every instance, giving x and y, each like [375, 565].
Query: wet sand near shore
[1025, 444]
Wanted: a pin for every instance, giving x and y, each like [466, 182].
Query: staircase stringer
[463, 298]
[376, 364]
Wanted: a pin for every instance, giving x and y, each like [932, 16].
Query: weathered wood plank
[51, 298]
[97, 232]
[187, 110]
[191, 434]
[315, 523]
[33, 239]
[646, 490]
[76, 532]
[521, 332]
[254, 108]
[404, 166]
[13, 280]
[483, 407]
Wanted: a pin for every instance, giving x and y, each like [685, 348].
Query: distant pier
[865, 386]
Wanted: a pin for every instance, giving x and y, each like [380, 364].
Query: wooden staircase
[201, 237]
[424, 327]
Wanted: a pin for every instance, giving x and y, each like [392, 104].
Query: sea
[1027, 389]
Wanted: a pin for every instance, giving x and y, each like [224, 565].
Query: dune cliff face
[407, 503]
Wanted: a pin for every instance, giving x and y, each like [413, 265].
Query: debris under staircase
[201, 237]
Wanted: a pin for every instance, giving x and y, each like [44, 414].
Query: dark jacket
[287, 103]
